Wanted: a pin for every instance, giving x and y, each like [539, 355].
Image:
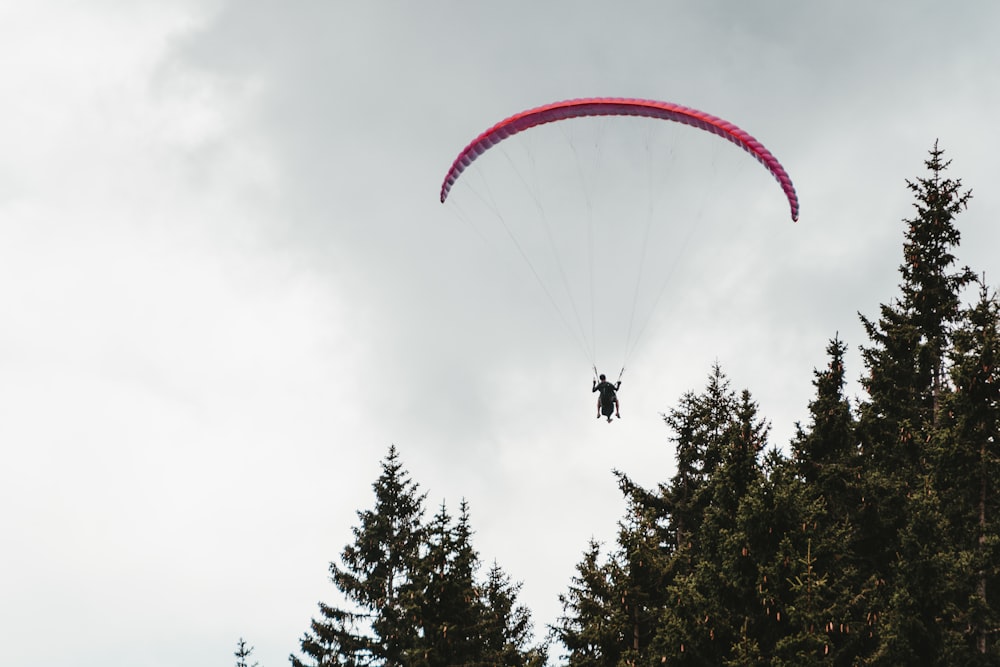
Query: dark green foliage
[907, 385]
[590, 627]
[914, 624]
[906, 360]
[376, 579]
[699, 426]
[966, 457]
[446, 608]
[412, 594]
[831, 579]
[874, 542]
[826, 456]
[506, 630]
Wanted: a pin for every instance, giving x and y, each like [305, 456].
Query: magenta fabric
[613, 106]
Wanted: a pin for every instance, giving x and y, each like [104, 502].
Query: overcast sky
[227, 285]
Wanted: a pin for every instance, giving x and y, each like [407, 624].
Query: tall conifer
[445, 607]
[825, 453]
[906, 383]
[591, 627]
[700, 427]
[909, 343]
[376, 580]
[506, 630]
[827, 584]
[710, 610]
[967, 469]
[732, 532]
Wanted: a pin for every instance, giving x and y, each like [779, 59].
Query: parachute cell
[610, 106]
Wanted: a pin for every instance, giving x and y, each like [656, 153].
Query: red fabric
[612, 106]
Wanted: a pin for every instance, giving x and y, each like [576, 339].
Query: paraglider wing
[611, 106]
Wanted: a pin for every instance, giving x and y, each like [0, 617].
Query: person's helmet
[602, 377]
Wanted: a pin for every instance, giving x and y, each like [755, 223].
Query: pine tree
[710, 612]
[733, 536]
[642, 572]
[906, 385]
[376, 579]
[412, 595]
[931, 288]
[506, 628]
[828, 585]
[826, 456]
[914, 626]
[801, 594]
[446, 606]
[700, 428]
[243, 654]
[684, 574]
[591, 627]
[907, 359]
[966, 468]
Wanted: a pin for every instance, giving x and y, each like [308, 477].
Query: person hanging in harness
[607, 402]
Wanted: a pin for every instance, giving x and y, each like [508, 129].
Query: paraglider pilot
[607, 403]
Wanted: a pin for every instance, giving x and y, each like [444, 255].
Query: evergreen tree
[376, 579]
[828, 585]
[642, 587]
[739, 471]
[460, 621]
[906, 360]
[700, 427]
[412, 595]
[796, 595]
[640, 573]
[732, 537]
[826, 456]
[243, 654]
[591, 628]
[906, 385]
[688, 597]
[931, 287]
[914, 625]
[446, 605]
[506, 627]
[966, 467]
[710, 612]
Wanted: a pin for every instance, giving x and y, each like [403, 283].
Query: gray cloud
[228, 284]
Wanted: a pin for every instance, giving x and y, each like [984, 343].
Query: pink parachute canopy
[612, 106]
